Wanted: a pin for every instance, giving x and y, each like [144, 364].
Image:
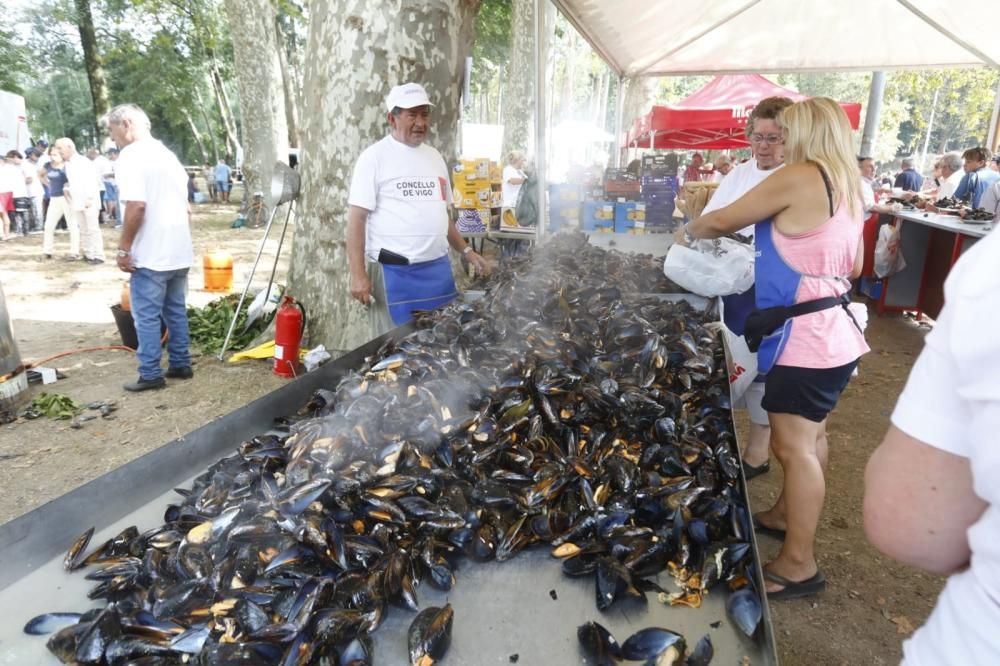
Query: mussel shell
[75, 554]
[651, 642]
[429, 635]
[599, 644]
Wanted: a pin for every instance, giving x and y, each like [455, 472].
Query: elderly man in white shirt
[84, 197]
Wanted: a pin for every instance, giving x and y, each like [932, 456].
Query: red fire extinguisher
[289, 324]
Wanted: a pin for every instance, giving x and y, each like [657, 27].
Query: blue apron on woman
[423, 286]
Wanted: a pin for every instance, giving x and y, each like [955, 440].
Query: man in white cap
[398, 229]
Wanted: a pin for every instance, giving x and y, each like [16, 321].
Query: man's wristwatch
[467, 250]
[123, 253]
[688, 238]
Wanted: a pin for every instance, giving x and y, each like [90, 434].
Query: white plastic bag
[888, 254]
[711, 268]
[742, 364]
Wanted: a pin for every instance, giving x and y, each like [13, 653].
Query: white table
[931, 244]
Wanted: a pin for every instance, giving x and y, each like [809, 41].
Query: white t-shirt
[717, 176]
[406, 192]
[149, 172]
[509, 190]
[952, 402]
[743, 178]
[30, 170]
[950, 184]
[11, 179]
[81, 182]
[867, 193]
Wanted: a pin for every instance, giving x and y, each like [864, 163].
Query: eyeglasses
[769, 139]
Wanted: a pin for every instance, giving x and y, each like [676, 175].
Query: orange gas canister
[289, 323]
[217, 267]
[126, 300]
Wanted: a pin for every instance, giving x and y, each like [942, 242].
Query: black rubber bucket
[126, 327]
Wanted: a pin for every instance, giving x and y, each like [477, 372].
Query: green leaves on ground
[208, 325]
[54, 406]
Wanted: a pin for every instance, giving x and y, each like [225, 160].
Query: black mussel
[713, 566]
[48, 623]
[481, 547]
[599, 644]
[340, 625]
[294, 500]
[515, 538]
[582, 564]
[181, 598]
[612, 582]
[654, 643]
[192, 640]
[429, 635]
[105, 628]
[75, 554]
[127, 649]
[744, 608]
[702, 653]
[64, 642]
[429, 513]
[114, 548]
[359, 652]
[250, 617]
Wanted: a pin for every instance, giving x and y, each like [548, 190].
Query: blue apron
[776, 285]
[422, 286]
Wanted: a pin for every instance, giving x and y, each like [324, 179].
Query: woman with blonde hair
[808, 218]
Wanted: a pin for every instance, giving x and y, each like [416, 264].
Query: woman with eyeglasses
[808, 220]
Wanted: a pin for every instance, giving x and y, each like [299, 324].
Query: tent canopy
[674, 37]
[714, 116]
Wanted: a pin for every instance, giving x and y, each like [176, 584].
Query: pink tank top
[825, 258]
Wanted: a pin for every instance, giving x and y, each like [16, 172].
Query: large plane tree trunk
[92, 61]
[519, 90]
[262, 97]
[356, 51]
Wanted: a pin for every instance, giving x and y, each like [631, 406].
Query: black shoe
[749, 471]
[145, 384]
[94, 262]
[180, 373]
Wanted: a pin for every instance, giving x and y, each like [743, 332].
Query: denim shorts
[811, 393]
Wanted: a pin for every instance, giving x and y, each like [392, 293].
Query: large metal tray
[522, 607]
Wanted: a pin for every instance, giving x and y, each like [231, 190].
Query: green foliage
[14, 57]
[208, 325]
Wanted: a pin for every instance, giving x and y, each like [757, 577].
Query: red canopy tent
[715, 116]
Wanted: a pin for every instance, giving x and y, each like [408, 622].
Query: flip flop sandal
[749, 471]
[793, 590]
[773, 532]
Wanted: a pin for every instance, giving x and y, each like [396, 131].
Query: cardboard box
[496, 173]
[477, 168]
[598, 216]
[630, 217]
[472, 198]
[496, 199]
[473, 220]
[564, 194]
[509, 222]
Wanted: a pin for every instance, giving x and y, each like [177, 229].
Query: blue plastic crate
[598, 216]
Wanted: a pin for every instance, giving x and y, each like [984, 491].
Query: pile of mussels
[564, 409]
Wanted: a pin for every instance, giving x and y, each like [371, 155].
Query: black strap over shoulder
[829, 190]
[761, 323]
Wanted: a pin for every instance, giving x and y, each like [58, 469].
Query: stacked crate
[564, 206]
[476, 190]
[659, 189]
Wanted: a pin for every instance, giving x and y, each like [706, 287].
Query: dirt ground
[871, 603]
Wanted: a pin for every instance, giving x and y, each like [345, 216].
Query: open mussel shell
[48, 623]
[598, 644]
[654, 643]
[744, 608]
[75, 554]
[429, 635]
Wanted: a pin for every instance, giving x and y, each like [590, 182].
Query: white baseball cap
[407, 96]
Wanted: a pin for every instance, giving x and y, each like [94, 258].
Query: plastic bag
[741, 363]
[888, 254]
[711, 268]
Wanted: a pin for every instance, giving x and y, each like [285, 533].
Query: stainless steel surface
[951, 223]
[501, 609]
[650, 243]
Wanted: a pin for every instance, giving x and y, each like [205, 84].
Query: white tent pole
[619, 110]
[930, 128]
[541, 46]
[947, 33]
[872, 113]
[991, 134]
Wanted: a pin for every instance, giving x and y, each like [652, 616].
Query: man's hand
[361, 288]
[482, 266]
[125, 263]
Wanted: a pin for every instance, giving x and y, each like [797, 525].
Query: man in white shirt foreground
[931, 494]
[155, 245]
[398, 229]
[84, 198]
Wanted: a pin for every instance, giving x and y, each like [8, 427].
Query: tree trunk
[208, 124]
[196, 133]
[289, 86]
[638, 99]
[92, 61]
[262, 98]
[602, 100]
[356, 51]
[519, 95]
[225, 112]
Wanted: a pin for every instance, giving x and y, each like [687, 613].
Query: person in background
[111, 205]
[222, 175]
[951, 175]
[908, 178]
[990, 202]
[20, 216]
[723, 165]
[808, 246]
[84, 198]
[978, 177]
[870, 190]
[36, 192]
[767, 147]
[209, 175]
[931, 499]
[692, 173]
[513, 178]
[54, 176]
[192, 187]
[155, 245]
[398, 228]
[101, 166]
[10, 179]
[995, 163]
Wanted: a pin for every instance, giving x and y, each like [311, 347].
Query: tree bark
[92, 61]
[288, 86]
[355, 52]
[519, 93]
[260, 85]
[638, 99]
[208, 124]
[225, 111]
